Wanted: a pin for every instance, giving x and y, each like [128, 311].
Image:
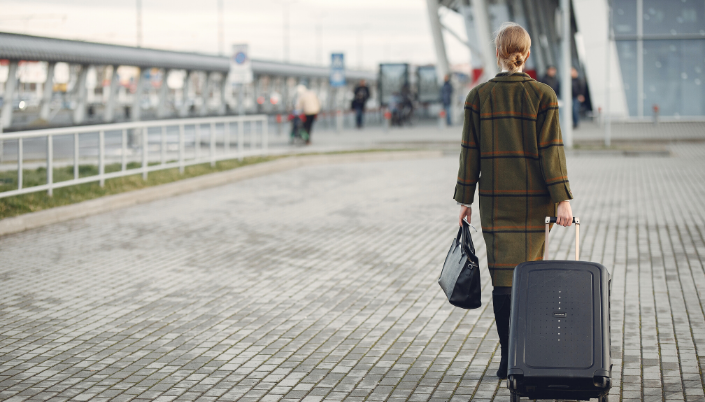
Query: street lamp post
[319, 38]
[285, 30]
[139, 23]
[221, 35]
[360, 30]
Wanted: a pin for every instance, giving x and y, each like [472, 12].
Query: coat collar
[516, 77]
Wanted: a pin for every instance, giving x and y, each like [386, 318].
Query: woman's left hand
[465, 212]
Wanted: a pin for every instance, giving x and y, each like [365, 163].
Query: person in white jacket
[307, 102]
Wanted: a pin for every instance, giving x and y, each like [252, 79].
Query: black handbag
[460, 278]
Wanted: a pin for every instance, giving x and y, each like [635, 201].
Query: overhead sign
[240, 65]
[337, 70]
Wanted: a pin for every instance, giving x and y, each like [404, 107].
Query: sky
[389, 30]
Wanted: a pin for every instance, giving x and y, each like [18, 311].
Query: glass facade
[673, 77]
[626, 50]
[673, 17]
[662, 55]
[624, 17]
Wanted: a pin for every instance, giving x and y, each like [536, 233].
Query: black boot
[501, 301]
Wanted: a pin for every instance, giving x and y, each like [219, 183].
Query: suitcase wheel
[514, 397]
[512, 383]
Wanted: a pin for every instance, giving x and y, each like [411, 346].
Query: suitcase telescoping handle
[552, 219]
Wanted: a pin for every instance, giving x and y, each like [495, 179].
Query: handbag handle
[464, 232]
[553, 219]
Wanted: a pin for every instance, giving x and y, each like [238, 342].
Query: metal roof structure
[302, 70]
[37, 48]
[451, 4]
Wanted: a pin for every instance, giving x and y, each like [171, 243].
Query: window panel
[674, 17]
[624, 17]
[673, 77]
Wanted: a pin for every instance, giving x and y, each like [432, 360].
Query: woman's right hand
[465, 212]
[564, 214]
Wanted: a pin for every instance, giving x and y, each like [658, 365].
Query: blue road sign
[337, 69]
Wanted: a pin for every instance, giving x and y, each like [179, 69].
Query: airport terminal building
[655, 49]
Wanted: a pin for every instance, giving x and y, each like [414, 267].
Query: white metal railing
[134, 143]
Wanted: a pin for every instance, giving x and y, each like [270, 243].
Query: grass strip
[32, 202]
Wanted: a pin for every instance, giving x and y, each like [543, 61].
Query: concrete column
[163, 94]
[543, 55]
[320, 90]
[205, 96]
[257, 89]
[109, 114]
[484, 38]
[267, 105]
[224, 90]
[604, 76]
[566, 80]
[241, 99]
[523, 18]
[470, 32]
[79, 113]
[48, 91]
[185, 89]
[285, 94]
[9, 96]
[640, 59]
[546, 19]
[442, 66]
[136, 107]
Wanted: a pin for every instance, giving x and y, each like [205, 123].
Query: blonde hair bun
[513, 44]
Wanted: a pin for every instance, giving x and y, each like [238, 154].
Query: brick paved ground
[320, 284]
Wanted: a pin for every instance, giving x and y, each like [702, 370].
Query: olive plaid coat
[512, 146]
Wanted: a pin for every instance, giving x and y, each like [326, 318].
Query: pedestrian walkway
[630, 136]
[319, 284]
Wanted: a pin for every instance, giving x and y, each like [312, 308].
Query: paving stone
[319, 284]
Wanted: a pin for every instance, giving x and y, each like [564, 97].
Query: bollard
[279, 124]
[442, 119]
[387, 119]
[656, 110]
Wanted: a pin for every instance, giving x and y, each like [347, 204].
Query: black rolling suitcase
[559, 339]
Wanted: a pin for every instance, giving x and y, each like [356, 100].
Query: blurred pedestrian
[551, 79]
[511, 136]
[307, 102]
[447, 97]
[361, 94]
[578, 95]
[406, 109]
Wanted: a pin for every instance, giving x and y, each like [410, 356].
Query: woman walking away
[511, 135]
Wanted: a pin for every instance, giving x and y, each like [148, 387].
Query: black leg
[502, 308]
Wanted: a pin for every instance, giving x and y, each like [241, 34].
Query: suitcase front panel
[560, 319]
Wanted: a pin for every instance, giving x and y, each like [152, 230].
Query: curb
[65, 213]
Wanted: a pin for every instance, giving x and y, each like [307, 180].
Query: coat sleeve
[469, 172]
[551, 153]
